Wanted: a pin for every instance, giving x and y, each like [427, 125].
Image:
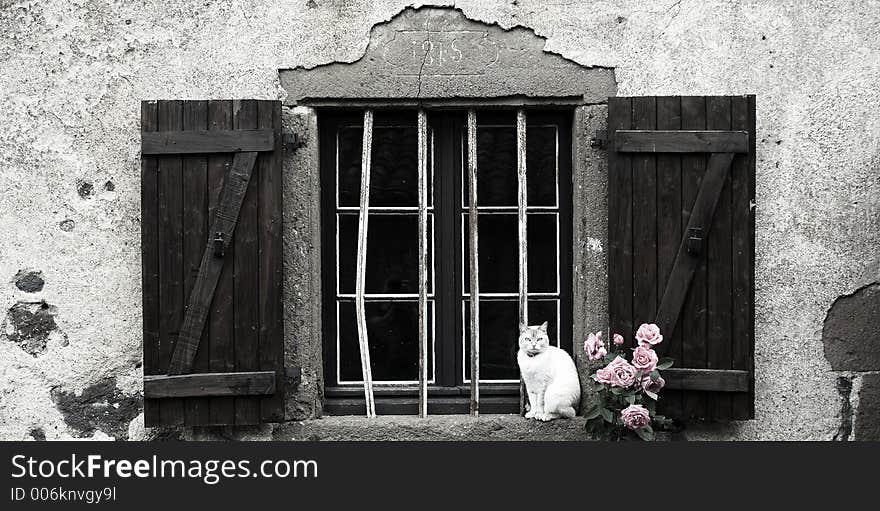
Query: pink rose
[594, 347]
[650, 385]
[619, 373]
[635, 417]
[618, 339]
[649, 335]
[644, 359]
[603, 376]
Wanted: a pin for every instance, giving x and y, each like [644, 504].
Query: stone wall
[75, 71]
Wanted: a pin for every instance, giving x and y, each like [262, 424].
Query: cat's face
[533, 340]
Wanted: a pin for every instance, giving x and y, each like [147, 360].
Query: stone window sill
[432, 428]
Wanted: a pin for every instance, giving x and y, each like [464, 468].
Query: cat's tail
[568, 413]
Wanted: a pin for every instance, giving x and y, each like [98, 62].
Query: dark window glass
[393, 332]
[394, 174]
[392, 254]
[496, 167]
[542, 252]
[541, 161]
[498, 253]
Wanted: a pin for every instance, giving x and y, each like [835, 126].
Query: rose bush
[626, 390]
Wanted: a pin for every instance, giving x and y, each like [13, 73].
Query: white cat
[549, 374]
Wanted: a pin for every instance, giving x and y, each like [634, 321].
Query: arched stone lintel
[438, 53]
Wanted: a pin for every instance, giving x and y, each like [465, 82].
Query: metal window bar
[360, 285]
[522, 204]
[522, 198]
[423, 267]
[474, 261]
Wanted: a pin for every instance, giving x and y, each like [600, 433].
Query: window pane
[394, 174]
[546, 310]
[393, 332]
[499, 335]
[541, 165]
[392, 254]
[498, 250]
[542, 252]
[496, 167]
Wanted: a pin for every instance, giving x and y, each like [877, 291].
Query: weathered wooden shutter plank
[195, 188]
[190, 141]
[620, 303]
[150, 256]
[718, 255]
[269, 188]
[693, 314]
[221, 328]
[247, 291]
[743, 223]
[171, 269]
[669, 229]
[644, 218]
[644, 140]
[722, 381]
[256, 383]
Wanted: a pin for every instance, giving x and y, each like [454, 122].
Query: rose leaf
[646, 434]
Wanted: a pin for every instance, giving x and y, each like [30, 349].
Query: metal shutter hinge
[292, 375]
[291, 142]
[600, 140]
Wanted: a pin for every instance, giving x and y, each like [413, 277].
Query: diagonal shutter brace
[223, 225]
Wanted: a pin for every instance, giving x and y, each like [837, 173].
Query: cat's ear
[544, 327]
[523, 327]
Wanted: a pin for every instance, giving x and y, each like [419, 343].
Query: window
[392, 254]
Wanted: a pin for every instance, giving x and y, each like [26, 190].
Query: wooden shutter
[681, 187]
[211, 246]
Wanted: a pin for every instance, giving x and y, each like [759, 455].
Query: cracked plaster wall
[74, 72]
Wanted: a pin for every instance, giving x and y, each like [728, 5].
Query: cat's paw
[546, 417]
[530, 414]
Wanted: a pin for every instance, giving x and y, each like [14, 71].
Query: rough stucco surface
[75, 71]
